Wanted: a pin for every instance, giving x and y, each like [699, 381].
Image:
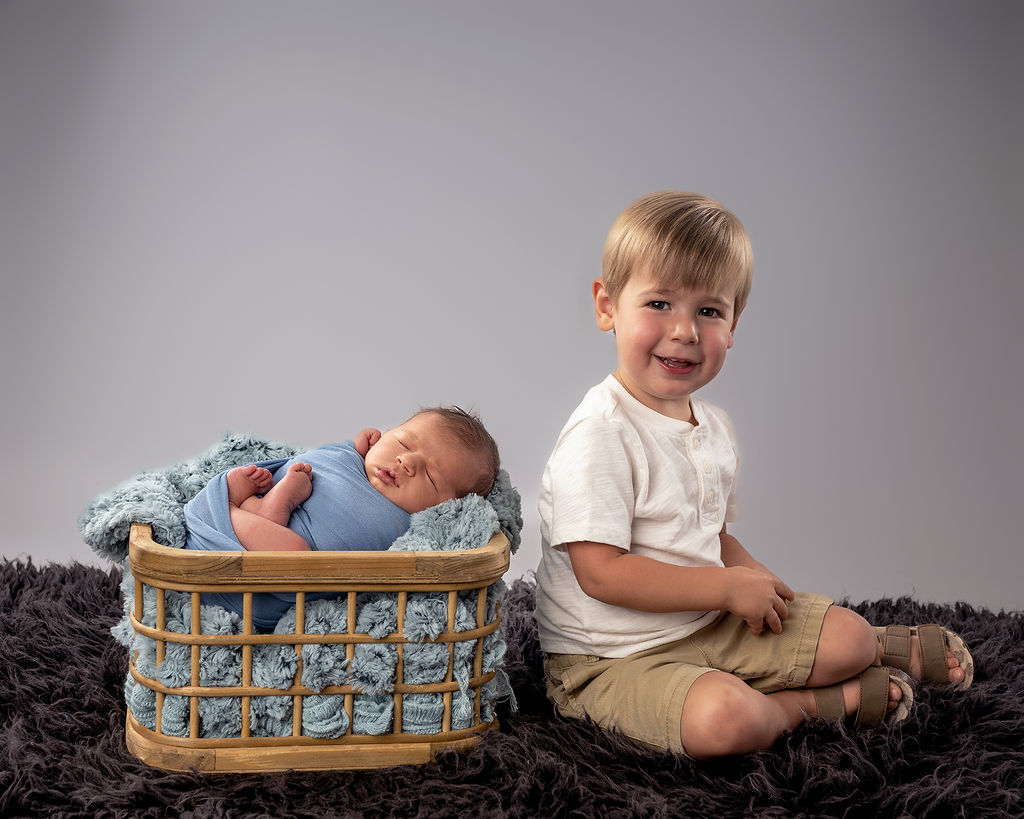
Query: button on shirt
[625, 475]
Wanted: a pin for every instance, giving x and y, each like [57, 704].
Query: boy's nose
[685, 330]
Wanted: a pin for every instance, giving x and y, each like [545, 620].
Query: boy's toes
[895, 696]
[930, 653]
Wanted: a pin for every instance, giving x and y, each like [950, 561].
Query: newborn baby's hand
[366, 439]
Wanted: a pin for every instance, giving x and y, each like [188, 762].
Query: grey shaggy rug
[62, 724]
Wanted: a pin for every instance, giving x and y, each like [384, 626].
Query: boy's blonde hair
[685, 240]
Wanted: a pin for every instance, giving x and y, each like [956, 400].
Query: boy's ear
[732, 332]
[603, 307]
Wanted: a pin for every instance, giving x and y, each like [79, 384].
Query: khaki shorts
[642, 695]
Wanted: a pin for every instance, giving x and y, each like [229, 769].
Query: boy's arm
[620, 578]
[734, 554]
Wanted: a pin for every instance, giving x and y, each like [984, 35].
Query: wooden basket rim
[187, 570]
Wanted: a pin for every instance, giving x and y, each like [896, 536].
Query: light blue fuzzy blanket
[158, 498]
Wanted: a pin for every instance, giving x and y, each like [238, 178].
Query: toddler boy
[655, 621]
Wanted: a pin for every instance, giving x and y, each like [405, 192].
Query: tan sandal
[933, 640]
[873, 708]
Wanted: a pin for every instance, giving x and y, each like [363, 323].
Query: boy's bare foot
[851, 695]
[874, 697]
[956, 673]
[246, 481]
[946, 660]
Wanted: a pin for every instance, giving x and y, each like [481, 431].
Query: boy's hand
[365, 439]
[759, 597]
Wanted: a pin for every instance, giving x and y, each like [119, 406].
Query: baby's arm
[365, 439]
[617, 577]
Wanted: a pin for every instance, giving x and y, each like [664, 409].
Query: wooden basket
[348, 573]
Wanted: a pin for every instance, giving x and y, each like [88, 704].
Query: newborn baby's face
[415, 465]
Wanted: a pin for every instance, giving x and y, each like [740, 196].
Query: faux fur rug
[62, 722]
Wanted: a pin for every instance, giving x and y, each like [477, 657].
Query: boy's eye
[709, 312]
[658, 305]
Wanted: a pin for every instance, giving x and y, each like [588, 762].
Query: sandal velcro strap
[932, 640]
[874, 697]
[830, 702]
[873, 704]
[896, 646]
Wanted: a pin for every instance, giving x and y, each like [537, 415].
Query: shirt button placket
[700, 469]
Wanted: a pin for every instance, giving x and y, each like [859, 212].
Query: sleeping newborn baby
[354, 496]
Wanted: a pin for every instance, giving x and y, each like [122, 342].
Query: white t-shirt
[625, 475]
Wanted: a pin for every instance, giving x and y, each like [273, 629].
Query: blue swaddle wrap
[343, 512]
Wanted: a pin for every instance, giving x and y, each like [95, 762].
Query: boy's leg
[722, 715]
[763, 685]
[661, 697]
[929, 653]
[752, 693]
[848, 644]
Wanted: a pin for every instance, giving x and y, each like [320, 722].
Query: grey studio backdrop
[300, 219]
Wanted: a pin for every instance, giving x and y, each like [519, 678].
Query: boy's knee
[847, 633]
[717, 716]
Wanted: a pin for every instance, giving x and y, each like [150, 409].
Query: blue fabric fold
[343, 512]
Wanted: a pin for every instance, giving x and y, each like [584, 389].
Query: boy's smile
[676, 366]
[670, 341]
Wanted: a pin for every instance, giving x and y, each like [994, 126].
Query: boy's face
[416, 465]
[670, 341]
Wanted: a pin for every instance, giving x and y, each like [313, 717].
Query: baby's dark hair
[468, 430]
